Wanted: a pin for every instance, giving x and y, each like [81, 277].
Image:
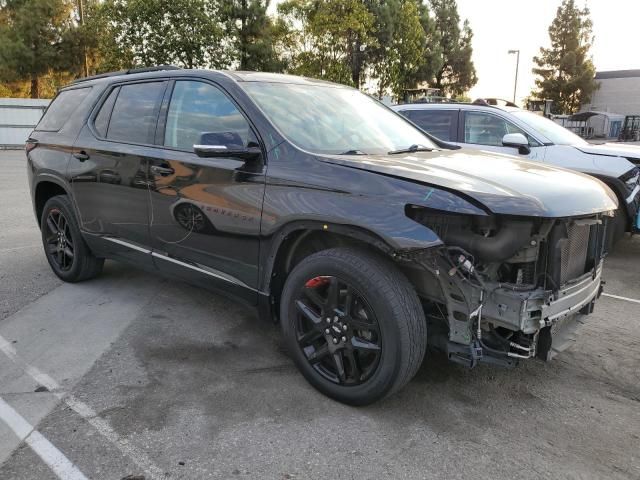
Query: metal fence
[18, 117]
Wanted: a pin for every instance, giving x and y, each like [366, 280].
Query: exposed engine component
[503, 281]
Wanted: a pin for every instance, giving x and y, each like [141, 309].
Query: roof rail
[126, 72]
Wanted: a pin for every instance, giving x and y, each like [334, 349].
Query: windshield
[329, 119]
[550, 129]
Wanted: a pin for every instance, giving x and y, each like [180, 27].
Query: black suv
[335, 216]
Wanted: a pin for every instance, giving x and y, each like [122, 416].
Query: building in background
[619, 93]
[18, 117]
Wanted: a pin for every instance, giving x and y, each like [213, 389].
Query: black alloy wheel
[337, 331]
[59, 241]
[66, 250]
[353, 323]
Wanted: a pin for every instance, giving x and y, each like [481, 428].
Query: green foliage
[455, 73]
[186, 33]
[251, 34]
[38, 38]
[566, 72]
[324, 37]
[398, 60]
[399, 44]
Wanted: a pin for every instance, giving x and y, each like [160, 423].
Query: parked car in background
[511, 130]
[327, 211]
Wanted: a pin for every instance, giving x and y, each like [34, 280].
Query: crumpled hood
[502, 183]
[631, 152]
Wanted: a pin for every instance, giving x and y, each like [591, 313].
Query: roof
[617, 74]
[238, 76]
[454, 106]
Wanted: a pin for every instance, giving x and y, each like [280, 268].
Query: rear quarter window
[439, 123]
[62, 108]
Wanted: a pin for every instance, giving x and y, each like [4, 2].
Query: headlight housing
[631, 178]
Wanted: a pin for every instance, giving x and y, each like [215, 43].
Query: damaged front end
[505, 288]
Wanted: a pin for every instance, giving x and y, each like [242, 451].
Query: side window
[62, 108]
[486, 129]
[135, 112]
[197, 108]
[439, 123]
[101, 123]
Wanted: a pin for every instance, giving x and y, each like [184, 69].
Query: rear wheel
[65, 249]
[354, 324]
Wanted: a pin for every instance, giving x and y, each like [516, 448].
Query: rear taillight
[30, 145]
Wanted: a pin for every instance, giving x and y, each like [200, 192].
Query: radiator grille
[574, 252]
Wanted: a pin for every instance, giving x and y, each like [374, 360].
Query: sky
[502, 25]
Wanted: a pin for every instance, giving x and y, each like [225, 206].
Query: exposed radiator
[574, 252]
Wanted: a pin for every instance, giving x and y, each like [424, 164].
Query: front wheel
[66, 251]
[354, 324]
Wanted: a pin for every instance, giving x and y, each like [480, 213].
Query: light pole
[515, 84]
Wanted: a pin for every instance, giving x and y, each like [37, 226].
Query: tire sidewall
[389, 363]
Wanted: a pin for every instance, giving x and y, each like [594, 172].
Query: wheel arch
[46, 187]
[300, 239]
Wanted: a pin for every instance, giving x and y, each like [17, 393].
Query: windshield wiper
[353, 152]
[413, 148]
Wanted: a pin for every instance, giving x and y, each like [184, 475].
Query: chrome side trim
[198, 268]
[127, 244]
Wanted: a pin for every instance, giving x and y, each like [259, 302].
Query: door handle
[162, 171]
[82, 156]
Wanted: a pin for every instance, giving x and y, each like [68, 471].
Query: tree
[456, 73]
[325, 37]
[187, 33]
[38, 38]
[400, 53]
[565, 70]
[252, 35]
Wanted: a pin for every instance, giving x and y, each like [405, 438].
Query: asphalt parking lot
[135, 376]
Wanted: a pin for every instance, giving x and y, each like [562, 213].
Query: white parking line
[54, 458]
[86, 412]
[618, 297]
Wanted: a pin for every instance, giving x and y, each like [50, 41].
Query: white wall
[617, 95]
[18, 117]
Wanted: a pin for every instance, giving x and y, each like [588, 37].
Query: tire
[617, 228]
[384, 312]
[68, 255]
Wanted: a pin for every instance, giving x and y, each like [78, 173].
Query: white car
[515, 131]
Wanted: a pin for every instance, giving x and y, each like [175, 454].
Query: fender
[418, 237]
[42, 177]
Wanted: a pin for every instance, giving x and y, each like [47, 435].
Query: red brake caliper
[316, 282]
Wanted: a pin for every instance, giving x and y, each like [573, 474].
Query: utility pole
[515, 84]
[85, 65]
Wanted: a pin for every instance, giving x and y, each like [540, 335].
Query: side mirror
[225, 144]
[517, 140]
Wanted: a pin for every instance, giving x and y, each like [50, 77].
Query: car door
[206, 211]
[108, 172]
[485, 130]
[441, 123]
